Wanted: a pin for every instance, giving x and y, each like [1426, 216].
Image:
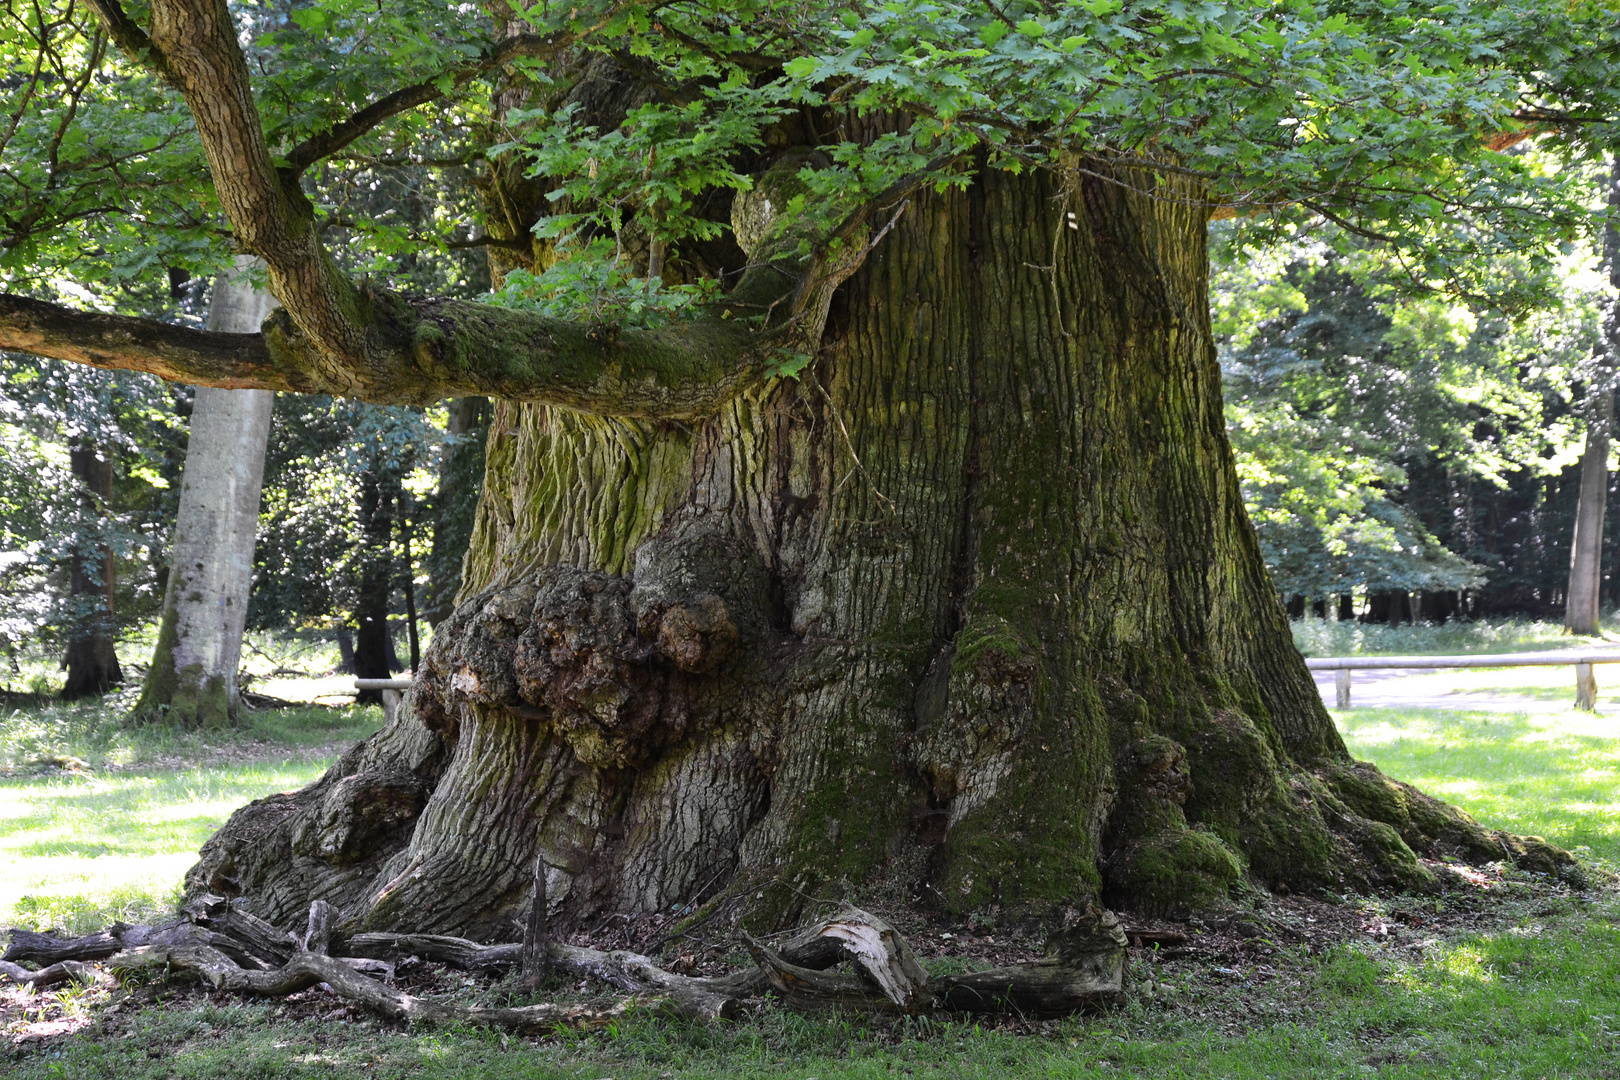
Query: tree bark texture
[91, 659]
[972, 609]
[193, 677]
[1582, 603]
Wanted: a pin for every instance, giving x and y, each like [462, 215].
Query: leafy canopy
[1380, 115]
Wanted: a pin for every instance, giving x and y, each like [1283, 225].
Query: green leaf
[789, 366]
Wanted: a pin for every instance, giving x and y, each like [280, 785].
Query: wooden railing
[391, 689]
[1582, 661]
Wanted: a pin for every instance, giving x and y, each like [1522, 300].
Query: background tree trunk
[455, 506]
[373, 646]
[193, 677]
[1582, 604]
[91, 658]
[968, 615]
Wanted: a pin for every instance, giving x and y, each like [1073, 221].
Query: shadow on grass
[1555, 775]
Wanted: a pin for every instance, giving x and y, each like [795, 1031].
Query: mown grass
[1551, 774]
[1325, 637]
[99, 820]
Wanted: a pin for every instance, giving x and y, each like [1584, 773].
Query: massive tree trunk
[1583, 601]
[91, 659]
[968, 614]
[193, 677]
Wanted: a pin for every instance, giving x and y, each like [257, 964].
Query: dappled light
[1553, 774]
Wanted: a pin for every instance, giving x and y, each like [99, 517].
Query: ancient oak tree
[858, 511]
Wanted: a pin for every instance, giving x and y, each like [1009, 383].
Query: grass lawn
[98, 821]
[1550, 774]
[1521, 978]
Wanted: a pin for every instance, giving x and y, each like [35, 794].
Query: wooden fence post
[1585, 688]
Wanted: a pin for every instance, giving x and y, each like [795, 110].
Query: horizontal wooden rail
[1585, 682]
[391, 689]
[382, 684]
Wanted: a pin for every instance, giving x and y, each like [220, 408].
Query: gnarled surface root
[233, 951]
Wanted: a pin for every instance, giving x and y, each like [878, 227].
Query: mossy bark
[972, 609]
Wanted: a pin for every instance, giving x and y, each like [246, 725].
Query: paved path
[1448, 689]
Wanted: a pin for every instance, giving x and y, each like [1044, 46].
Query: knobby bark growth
[971, 611]
[193, 677]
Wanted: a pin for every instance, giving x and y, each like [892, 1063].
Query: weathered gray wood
[240, 925]
[1586, 689]
[533, 961]
[30, 947]
[59, 972]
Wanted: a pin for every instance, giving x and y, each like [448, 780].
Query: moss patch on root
[1176, 871]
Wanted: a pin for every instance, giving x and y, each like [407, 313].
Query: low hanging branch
[235, 951]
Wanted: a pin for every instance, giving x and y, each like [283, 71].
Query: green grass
[114, 839]
[1324, 637]
[1555, 775]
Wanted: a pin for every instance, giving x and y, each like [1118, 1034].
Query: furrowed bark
[91, 657]
[972, 604]
[29, 947]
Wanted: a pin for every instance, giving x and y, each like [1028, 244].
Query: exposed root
[237, 953]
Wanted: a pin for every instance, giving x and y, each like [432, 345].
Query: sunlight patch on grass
[1554, 775]
[84, 848]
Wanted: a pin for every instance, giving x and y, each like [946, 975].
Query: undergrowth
[1326, 637]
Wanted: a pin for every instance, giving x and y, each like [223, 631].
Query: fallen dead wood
[60, 972]
[29, 947]
[236, 952]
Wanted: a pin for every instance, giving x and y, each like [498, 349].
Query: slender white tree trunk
[194, 668]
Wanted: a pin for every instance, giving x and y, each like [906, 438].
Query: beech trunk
[193, 677]
[968, 614]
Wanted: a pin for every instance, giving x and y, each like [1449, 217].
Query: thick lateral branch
[178, 353]
[437, 348]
